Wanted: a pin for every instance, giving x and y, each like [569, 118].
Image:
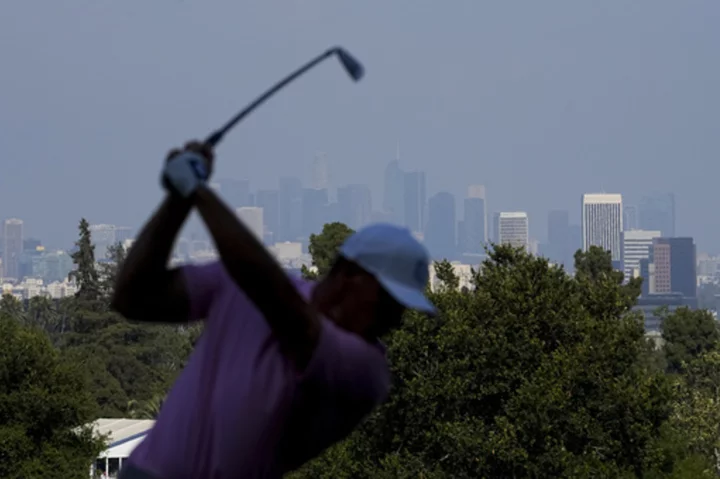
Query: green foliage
[108, 271]
[688, 334]
[446, 275]
[324, 248]
[44, 398]
[533, 374]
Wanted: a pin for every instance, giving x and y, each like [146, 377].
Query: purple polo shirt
[239, 409]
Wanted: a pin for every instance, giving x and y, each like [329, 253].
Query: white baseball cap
[396, 259]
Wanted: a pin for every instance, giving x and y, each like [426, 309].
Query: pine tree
[85, 273]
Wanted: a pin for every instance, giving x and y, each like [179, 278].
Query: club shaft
[215, 138]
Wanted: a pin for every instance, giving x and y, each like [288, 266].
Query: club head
[353, 67]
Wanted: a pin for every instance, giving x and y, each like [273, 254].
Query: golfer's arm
[145, 289]
[256, 272]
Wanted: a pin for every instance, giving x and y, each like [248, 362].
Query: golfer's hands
[187, 169]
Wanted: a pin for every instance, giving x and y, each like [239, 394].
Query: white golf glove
[185, 173]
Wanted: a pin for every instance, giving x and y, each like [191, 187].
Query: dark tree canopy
[44, 398]
[324, 247]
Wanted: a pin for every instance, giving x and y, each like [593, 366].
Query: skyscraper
[269, 201]
[475, 231]
[559, 249]
[657, 212]
[320, 172]
[674, 261]
[440, 228]
[13, 247]
[290, 209]
[636, 246]
[394, 194]
[513, 229]
[252, 217]
[602, 222]
[314, 210]
[415, 201]
[354, 205]
[235, 192]
[630, 218]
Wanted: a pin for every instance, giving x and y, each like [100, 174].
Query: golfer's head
[381, 271]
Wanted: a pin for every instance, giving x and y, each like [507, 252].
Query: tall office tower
[354, 205]
[636, 246]
[103, 237]
[415, 199]
[394, 194]
[235, 192]
[657, 212]
[440, 228]
[290, 214]
[252, 217]
[13, 247]
[513, 229]
[496, 228]
[602, 222]
[559, 249]
[630, 218]
[269, 201]
[475, 229]
[320, 172]
[675, 267]
[314, 210]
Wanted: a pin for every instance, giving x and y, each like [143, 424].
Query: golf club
[353, 67]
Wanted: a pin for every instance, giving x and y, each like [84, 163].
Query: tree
[44, 403]
[108, 270]
[324, 248]
[688, 334]
[446, 275]
[85, 274]
[697, 412]
[525, 376]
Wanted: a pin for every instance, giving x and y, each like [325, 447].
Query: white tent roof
[122, 430]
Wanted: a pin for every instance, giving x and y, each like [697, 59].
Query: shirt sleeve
[202, 284]
[348, 369]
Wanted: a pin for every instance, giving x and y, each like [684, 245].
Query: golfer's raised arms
[293, 321]
[145, 289]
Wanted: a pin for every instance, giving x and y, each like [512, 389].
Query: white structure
[287, 250]
[252, 216]
[636, 245]
[513, 229]
[104, 236]
[464, 273]
[123, 436]
[602, 222]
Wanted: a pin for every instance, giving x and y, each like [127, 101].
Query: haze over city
[540, 103]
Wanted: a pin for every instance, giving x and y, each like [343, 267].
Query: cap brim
[409, 297]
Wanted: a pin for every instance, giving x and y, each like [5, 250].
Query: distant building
[636, 246]
[558, 248]
[473, 234]
[394, 194]
[354, 205]
[269, 201]
[630, 218]
[440, 229]
[13, 247]
[675, 266]
[513, 229]
[415, 198]
[252, 217]
[657, 212]
[602, 222]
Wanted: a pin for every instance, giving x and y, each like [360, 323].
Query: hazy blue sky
[541, 101]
